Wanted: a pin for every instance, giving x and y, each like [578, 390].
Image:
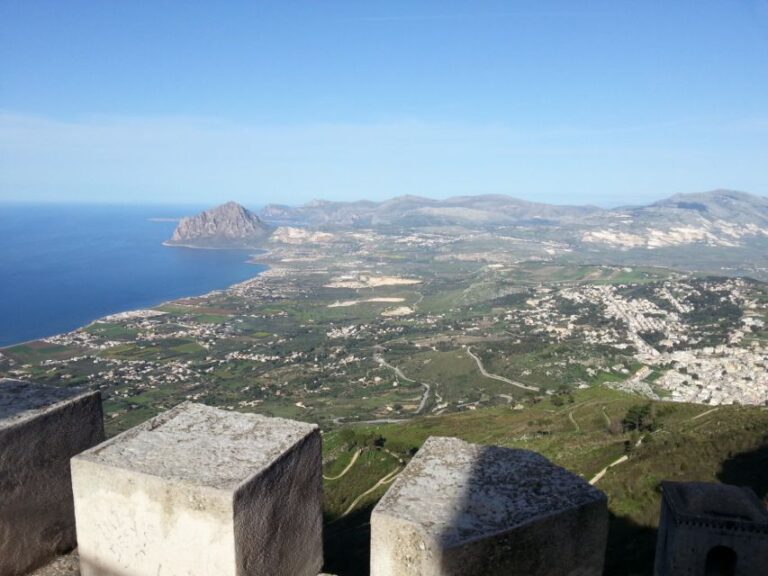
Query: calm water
[62, 266]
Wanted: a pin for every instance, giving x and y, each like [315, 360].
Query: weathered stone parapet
[709, 528]
[202, 491]
[460, 509]
[41, 428]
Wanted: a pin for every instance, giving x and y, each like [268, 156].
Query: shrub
[640, 417]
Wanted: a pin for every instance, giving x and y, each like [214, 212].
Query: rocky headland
[228, 226]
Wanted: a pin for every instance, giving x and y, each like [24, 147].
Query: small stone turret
[711, 530]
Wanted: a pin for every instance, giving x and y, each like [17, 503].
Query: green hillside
[584, 431]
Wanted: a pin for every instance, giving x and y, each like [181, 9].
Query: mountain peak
[229, 225]
[231, 205]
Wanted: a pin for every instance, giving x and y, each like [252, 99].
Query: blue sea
[62, 266]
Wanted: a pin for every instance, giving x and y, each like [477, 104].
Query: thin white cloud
[205, 159]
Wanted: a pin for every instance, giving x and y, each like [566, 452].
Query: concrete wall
[279, 515]
[132, 524]
[460, 509]
[37, 518]
[571, 543]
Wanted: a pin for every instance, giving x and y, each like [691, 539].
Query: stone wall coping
[456, 492]
[716, 505]
[200, 445]
[21, 401]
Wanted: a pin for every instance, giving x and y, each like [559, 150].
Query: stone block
[461, 509]
[201, 491]
[41, 428]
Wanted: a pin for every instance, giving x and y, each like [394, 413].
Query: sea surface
[62, 266]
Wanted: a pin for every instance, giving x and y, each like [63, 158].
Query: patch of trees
[402, 448]
[512, 300]
[361, 439]
[699, 207]
[640, 418]
[711, 307]
[653, 338]
[563, 395]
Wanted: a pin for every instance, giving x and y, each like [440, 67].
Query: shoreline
[250, 260]
[170, 244]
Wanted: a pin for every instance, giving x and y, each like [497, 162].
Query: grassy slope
[692, 442]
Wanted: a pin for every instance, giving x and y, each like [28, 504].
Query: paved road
[399, 373]
[496, 376]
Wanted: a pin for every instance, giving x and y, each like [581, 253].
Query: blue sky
[562, 101]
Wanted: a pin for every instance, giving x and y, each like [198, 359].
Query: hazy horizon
[609, 104]
[260, 204]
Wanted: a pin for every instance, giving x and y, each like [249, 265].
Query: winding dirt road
[573, 421]
[399, 374]
[384, 480]
[496, 376]
[347, 469]
[602, 472]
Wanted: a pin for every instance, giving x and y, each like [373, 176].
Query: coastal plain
[381, 327]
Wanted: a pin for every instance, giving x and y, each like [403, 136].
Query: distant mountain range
[722, 219]
[719, 218]
[415, 211]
